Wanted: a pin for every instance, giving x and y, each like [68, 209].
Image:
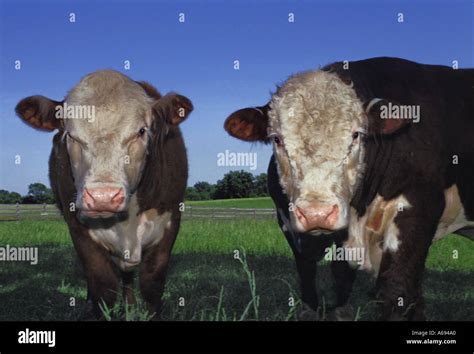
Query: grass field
[213, 284]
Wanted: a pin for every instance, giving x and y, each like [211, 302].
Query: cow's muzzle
[103, 201]
[317, 217]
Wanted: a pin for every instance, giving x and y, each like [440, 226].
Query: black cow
[306, 248]
[383, 146]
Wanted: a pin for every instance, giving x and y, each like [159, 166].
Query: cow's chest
[127, 239]
[377, 232]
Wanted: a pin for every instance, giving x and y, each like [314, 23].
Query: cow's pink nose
[321, 216]
[103, 199]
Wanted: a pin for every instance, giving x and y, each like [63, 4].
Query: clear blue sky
[195, 58]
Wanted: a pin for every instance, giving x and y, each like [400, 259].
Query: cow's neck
[125, 240]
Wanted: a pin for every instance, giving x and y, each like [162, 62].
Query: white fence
[49, 212]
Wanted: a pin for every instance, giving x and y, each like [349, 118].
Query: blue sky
[196, 58]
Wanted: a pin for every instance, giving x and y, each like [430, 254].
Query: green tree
[38, 193]
[4, 196]
[235, 184]
[204, 189]
[15, 198]
[191, 194]
[260, 187]
[7, 197]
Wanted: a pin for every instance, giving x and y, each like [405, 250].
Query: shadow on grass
[44, 291]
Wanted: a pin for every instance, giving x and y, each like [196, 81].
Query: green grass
[214, 284]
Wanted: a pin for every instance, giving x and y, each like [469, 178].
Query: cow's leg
[306, 266]
[302, 248]
[401, 270]
[312, 251]
[127, 287]
[154, 268]
[343, 274]
[102, 278]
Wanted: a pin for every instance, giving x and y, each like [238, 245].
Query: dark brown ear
[249, 124]
[149, 89]
[40, 112]
[173, 108]
[383, 117]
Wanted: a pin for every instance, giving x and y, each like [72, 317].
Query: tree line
[38, 193]
[234, 184]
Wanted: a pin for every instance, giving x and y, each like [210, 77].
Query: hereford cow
[306, 248]
[118, 170]
[383, 147]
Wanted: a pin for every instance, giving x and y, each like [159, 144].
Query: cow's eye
[142, 131]
[278, 140]
[355, 135]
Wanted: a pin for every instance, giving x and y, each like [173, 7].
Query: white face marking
[109, 149]
[316, 116]
[126, 240]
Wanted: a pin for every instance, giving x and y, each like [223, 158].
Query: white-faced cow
[306, 248]
[383, 147]
[118, 170]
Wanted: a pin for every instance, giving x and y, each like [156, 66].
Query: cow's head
[318, 127]
[108, 123]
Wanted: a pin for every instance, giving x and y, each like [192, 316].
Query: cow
[118, 170]
[383, 147]
[307, 249]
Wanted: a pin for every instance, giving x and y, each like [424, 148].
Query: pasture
[207, 282]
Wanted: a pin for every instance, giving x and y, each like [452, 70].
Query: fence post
[18, 211]
[44, 210]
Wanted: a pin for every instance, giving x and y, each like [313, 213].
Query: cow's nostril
[301, 217]
[118, 198]
[333, 211]
[88, 198]
[299, 213]
[87, 194]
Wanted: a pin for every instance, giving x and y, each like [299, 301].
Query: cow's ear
[149, 89]
[382, 119]
[173, 108]
[249, 124]
[40, 112]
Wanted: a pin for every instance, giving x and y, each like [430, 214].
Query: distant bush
[241, 184]
[7, 197]
[234, 184]
[38, 193]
